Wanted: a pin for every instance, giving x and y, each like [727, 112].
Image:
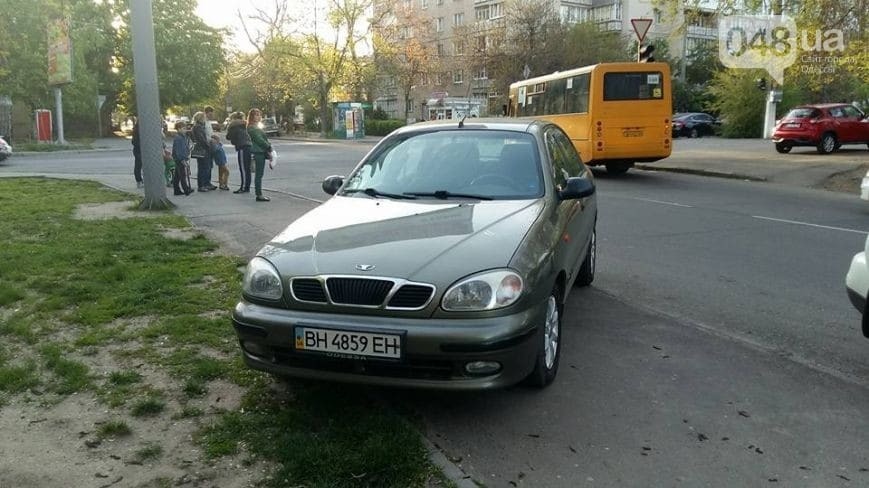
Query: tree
[190, 54]
[406, 51]
[738, 101]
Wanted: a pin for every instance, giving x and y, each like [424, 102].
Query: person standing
[181, 155]
[220, 160]
[237, 134]
[202, 153]
[137, 155]
[260, 147]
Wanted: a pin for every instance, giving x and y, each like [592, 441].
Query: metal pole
[58, 105]
[148, 105]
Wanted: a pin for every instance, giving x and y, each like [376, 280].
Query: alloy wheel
[550, 333]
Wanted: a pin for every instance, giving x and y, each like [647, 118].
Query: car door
[574, 218]
[852, 121]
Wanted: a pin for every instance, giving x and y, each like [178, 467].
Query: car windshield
[452, 164]
[802, 113]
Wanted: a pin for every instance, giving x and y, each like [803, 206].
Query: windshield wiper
[374, 192]
[444, 194]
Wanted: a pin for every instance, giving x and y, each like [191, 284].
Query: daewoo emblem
[364, 267]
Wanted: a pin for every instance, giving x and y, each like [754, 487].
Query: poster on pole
[59, 53]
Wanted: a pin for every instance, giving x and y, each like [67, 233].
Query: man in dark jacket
[137, 155]
[237, 134]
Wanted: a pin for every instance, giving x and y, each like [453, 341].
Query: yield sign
[641, 26]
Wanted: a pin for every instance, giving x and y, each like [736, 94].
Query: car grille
[363, 292]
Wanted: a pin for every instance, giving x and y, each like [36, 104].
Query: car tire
[827, 144]
[586, 271]
[694, 134]
[866, 322]
[549, 345]
[617, 168]
[783, 148]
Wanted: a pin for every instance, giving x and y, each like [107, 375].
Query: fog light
[483, 367]
[256, 348]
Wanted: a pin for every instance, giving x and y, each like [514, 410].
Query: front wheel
[586, 271]
[549, 345]
[694, 133]
[782, 147]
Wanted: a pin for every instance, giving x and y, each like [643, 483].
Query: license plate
[343, 343]
[632, 133]
[794, 125]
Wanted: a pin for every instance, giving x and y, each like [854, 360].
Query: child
[220, 160]
[180, 154]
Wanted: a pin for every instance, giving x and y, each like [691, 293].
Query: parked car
[694, 124]
[5, 149]
[827, 127]
[857, 284]
[270, 126]
[442, 261]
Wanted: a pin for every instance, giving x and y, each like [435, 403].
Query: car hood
[421, 241]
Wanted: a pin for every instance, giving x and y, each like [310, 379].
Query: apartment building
[457, 29]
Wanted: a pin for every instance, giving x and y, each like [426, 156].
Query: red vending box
[43, 126]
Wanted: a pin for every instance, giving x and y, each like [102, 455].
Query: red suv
[826, 127]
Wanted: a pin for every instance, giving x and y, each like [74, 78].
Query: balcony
[702, 32]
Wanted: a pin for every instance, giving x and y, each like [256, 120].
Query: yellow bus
[616, 114]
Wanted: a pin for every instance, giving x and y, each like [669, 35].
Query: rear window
[647, 85]
[803, 113]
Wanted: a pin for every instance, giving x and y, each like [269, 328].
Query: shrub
[376, 127]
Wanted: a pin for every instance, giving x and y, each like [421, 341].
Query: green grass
[148, 406]
[324, 437]
[38, 147]
[114, 428]
[81, 289]
[148, 452]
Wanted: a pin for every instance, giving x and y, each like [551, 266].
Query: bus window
[554, 97]
[633, 86]
[576, 99]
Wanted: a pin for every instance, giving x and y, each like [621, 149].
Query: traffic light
[761, 84]
[645, 54]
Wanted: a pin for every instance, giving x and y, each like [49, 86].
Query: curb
[449, 469]
[700, 172]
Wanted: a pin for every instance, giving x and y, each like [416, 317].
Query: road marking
[662, 202]
[843, 229]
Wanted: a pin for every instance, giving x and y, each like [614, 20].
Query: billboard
[59, 53]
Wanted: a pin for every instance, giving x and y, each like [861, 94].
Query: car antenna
[462, 121]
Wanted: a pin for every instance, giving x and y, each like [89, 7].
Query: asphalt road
[716, 347]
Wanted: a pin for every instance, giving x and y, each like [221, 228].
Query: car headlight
[485, 291]
[262, 280]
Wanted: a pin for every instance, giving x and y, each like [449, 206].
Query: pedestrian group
[251, 144]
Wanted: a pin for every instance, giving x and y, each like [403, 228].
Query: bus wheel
[618, 168]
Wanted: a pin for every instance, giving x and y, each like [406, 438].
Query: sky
[222, 13]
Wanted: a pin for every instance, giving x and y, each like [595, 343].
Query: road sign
[641, 27]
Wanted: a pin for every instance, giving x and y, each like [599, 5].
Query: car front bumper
[857, 281]
[435, 350]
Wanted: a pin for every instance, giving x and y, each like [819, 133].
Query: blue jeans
[203, 171]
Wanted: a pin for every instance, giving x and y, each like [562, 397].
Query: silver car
[442, 261]
[5, 149]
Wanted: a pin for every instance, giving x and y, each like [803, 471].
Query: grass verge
[117, 310]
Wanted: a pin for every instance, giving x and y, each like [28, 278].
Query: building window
[439, 24]
[458, 48]
[440, 49]
[423, 3]
[439, 78]
[482, 75]
[481, 13]
[496, 10]
[458, 19]
[457, 77]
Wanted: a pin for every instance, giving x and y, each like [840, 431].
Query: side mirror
[332, 183]
[576, 188]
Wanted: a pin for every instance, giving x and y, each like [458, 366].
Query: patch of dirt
[180, 234]
[52, 441]
[111, 210]
[846, 181]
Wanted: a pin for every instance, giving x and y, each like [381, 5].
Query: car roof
[520, 124]
[824, 105]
